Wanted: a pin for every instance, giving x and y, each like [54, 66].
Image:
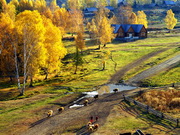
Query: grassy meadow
[52, 92]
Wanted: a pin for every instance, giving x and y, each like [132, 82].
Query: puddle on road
[104, 89]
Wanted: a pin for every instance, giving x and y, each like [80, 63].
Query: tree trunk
[46, 77]
[99, 47]
[104, 65]
[77, 59]
[31, 82]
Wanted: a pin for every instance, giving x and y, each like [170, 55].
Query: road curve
[149, 72]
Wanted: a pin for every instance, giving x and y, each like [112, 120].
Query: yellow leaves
[53, 44]
[80, 43]
[133, 18]
[106, 31]
[141, 18]
[170, 20]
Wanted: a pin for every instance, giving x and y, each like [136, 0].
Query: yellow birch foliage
[25, 5]
[133, 18]
[3, 5]
[141, 17]
[102, 3]
[106, 31]
[170, 20]
[40, 5]
[15, 3]
[76, 21]
[90, 3]
[47, 13]
[80, 43]
[114, 3]
[54, 46]
[7, 65]
[10, 10]
[29, 25]
[61, 19]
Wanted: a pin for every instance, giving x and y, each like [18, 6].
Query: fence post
[177, 122]
[147, 109]
[124, 97]
[162, 115]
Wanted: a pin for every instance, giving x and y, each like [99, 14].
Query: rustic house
[169, 3]
[130, 31]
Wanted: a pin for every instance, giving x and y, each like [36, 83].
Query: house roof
[169, 2]
[110, 8]
[136, 27]
[91, 9]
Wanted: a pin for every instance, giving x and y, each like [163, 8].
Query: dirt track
[118, 76]
[74, 116]
[165, 65]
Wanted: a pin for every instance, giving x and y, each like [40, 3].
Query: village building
[169, 3]
[129, 31]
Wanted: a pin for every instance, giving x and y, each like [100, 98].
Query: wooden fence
[148, 109]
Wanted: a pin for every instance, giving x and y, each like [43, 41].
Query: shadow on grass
[151, 118]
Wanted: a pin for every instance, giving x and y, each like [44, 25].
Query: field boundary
[150, 110]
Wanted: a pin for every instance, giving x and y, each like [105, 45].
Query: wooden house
[130, 31]
[169, 3]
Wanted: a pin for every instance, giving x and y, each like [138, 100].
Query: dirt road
[71, 118]
[149, 72]
[119, 74]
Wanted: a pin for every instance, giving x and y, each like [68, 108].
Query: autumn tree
[7, 65]
[143, 2]
[76, 21]
[53, 5]
[75, 4]
[105, 31]
[10, 9]
[124, 14]
[15, 3]
[133, 18]
[114, 3]
[40, 5]
[170, 20]
[141, 17]
[25, 5]
[30, 28]
[61, 19]
[90, 3]
[48, 13]
[3, 5]
[80, 44]
[54, 46]
[101, 3]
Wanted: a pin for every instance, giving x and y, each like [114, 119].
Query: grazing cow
[50, 113]
[96, 126]
[61, 109]
[96, 96]
[86, 102]
[115, 90]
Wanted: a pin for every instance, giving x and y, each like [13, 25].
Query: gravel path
[119, 74]
[149, 72]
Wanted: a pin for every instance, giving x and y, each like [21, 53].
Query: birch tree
[31, 31]
[170, 20]
[54, 46]
[142, 19]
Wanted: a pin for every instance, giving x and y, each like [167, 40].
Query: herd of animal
[90, 126]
